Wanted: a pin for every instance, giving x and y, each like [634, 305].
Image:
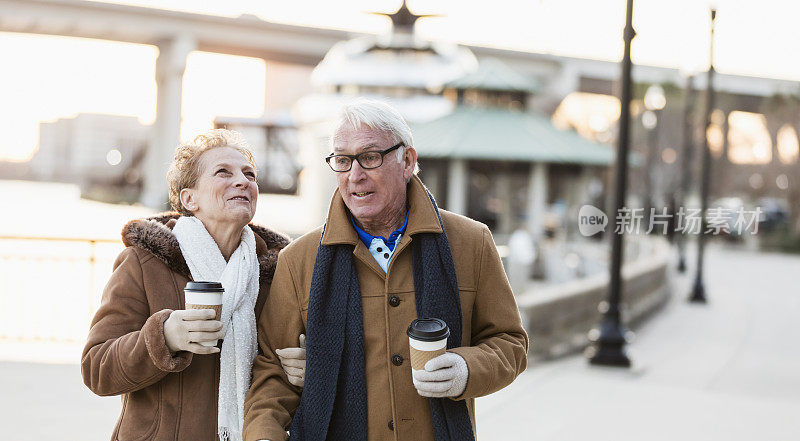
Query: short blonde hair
[185, 168]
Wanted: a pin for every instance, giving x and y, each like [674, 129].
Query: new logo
[591, 220]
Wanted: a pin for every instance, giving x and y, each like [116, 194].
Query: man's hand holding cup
[435, 372]
[443, 376]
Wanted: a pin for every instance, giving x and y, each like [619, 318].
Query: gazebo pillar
[537, 200]
[165, 132]
[584, 185]
[457, 185]
[506, 216]
[433, 180]
[577, 196]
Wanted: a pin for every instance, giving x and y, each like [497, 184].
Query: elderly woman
[143, 345]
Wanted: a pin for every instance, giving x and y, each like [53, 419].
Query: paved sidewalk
[729, 370]
[48, 402]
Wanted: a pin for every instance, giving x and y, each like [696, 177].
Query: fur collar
[154, 234]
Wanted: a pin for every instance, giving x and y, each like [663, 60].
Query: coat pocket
[141, 414]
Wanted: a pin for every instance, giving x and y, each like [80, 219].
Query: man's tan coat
[495, 344]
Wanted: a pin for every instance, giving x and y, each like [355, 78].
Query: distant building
[276, 148]
[89, 147]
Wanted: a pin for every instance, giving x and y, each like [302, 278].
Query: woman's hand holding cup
[199, 325]
[185, 329]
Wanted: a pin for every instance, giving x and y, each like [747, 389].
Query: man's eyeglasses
[367, 160]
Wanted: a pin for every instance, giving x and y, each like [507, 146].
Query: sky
[57, 77]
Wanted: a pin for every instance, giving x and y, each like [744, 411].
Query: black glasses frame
[359, 156]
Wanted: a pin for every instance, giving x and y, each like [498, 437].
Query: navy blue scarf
[333, 405]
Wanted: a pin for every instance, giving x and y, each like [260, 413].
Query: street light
[609, 342]
[654, 102]
[686, 151]
[654, 98]
[699, 291]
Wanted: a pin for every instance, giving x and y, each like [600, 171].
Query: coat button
[394, 301]
[397, 359]
[391, 424]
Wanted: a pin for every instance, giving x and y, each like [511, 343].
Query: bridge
[177, 33]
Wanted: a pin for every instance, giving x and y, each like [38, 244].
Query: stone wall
[558, 318]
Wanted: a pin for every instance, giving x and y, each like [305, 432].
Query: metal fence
[50, 287]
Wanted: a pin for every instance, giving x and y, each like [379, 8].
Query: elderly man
[385, 256]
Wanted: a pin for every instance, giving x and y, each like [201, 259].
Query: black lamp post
[609, 345]
[699, 291]
[685, 172]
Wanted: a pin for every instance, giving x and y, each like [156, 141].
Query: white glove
[185, 328]
[443, 376]
[293, 362]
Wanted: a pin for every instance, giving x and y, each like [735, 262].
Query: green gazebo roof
[492, 74]
[505, 135]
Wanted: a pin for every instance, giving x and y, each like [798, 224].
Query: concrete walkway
[729, 370]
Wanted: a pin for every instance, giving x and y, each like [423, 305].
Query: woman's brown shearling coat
[164, 397]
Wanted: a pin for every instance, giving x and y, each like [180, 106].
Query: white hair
[376, 115]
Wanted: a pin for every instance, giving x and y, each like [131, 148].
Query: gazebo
[493, 161]
[481, 152]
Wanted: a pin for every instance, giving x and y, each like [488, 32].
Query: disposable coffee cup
[427, 338]
[205, 295]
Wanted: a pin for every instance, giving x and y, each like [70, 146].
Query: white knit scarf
[239, 277]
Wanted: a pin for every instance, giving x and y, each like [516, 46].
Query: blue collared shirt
[381, 248]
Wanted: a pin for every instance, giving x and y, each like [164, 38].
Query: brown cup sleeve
[419, 358]
[216, 308]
